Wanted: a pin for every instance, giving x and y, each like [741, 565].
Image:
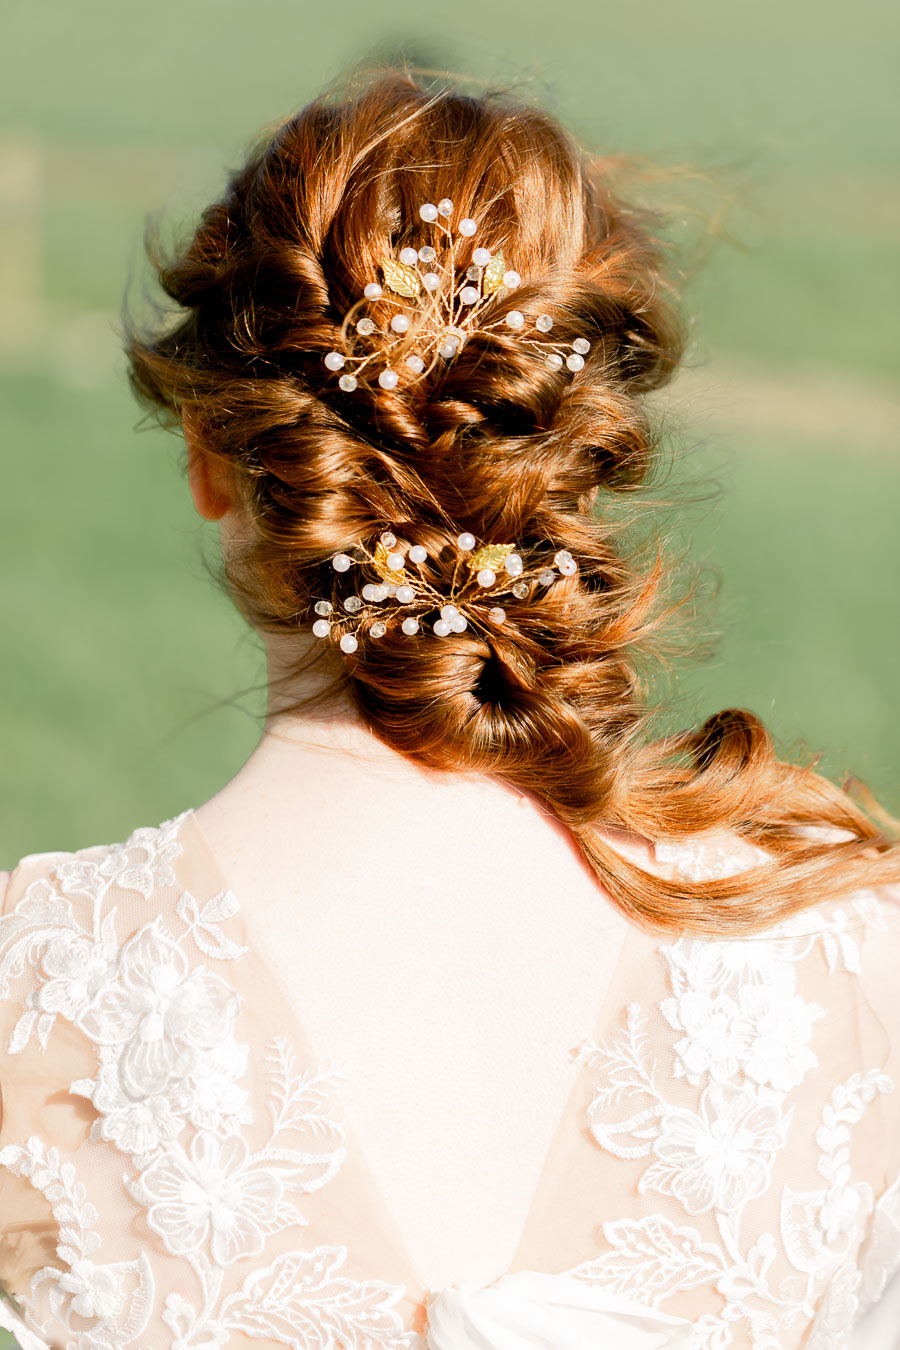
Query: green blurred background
[127, 679]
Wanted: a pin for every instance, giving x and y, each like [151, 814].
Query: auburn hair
[494, 443]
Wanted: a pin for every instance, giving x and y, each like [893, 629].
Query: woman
[465, 1014]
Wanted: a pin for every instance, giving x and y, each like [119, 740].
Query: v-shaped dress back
[176, 1169]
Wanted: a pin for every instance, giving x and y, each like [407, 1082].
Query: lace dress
[175, 1170]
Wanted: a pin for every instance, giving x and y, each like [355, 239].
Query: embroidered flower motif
[95, 1290]
[715, 1040]
[720, 1157]
[162, 1011]
[779, 1029]
[77, 969]
[217, 1102]
[210, 1194]
[142, 862]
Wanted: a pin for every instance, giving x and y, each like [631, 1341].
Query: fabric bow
[535, 1311]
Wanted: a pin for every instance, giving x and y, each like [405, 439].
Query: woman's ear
[208, 478]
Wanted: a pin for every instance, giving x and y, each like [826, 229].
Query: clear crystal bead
[352, 604]
[582, 346]
[427, 254]
[497, 614]
[544, 322]
[322, 606]
[473, 273]
[520, 590]
[365, 326]
[388, 539]
[378, 629]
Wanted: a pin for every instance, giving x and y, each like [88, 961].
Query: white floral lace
[705, 1128]
[168, 1060]
[743, 1035]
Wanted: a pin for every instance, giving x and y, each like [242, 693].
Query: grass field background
[124, 672]
[125, 676]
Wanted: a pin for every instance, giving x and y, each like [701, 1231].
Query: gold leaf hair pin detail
[436, 306]
[482, 575]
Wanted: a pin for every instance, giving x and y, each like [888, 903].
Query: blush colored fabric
[177, 1169]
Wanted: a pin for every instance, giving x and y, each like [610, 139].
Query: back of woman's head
[495, 442]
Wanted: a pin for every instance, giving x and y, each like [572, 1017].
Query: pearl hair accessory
[482, 574]
[436, 307]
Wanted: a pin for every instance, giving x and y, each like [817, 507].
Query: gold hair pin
[482, 574]
[435, 311]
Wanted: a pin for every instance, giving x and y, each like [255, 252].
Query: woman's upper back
[185, 1164]
[288, 1091]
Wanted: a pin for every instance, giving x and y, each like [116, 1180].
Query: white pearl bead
[513, 564]
[428, 211]
[369, 591]
[515, 318]
[405, 594]
[448, 349]
[427, 254]
[547, 577]
[486, 577]
[341, 561]
[349, 643]
[431, 281]
[565, 562]
[414, 362]
[574, 361]
[468, 295]
[334, 360]
[481, 256]
[544, 322]
[400, 323]
[442, 627]
[410, 626]
[409, 256]
[365, 326]
[467, 225]
[554, 361]
[321, 627]
[378, 629]
[448, 611]
[348, 383]
[465, 540]
[497, 614]
[511, 279]
[373, 291]
[388, 379]
[445, 206]
[581, 345]
[417, 554]
[459, 623]
[395, 561]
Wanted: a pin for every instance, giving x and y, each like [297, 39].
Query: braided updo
[493, 442]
